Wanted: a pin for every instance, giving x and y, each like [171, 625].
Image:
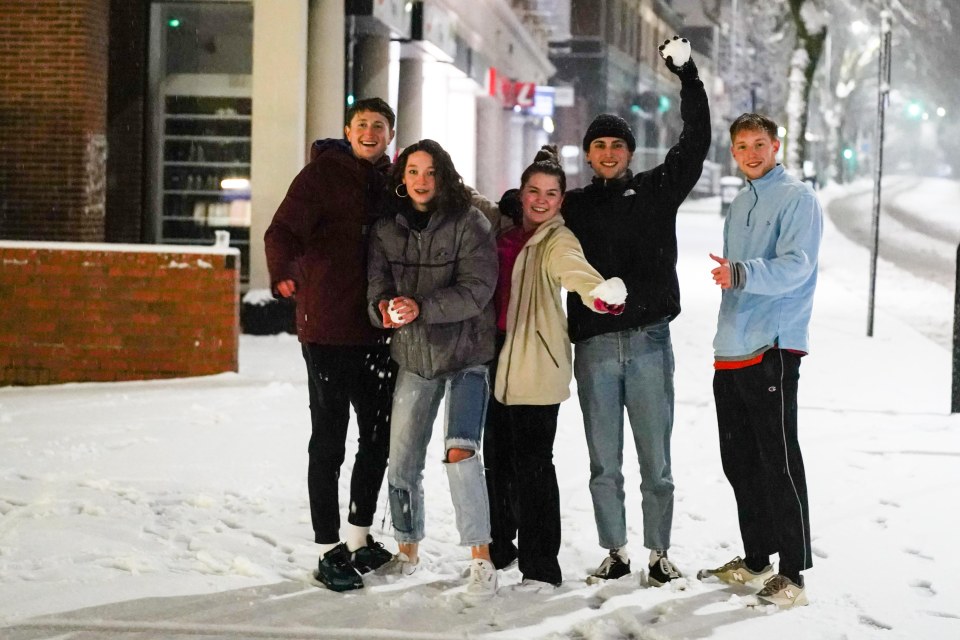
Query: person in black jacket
[316, 248]
[626, 224]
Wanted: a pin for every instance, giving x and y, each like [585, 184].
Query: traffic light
[849, 154]
[914, 109]
[645, 102]
[649, 102]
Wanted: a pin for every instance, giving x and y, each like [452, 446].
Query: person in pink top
[532, 372]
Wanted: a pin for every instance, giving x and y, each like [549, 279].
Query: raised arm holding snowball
[626, 224]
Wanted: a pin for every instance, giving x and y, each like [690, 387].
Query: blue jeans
[632, 369]
[415, 404]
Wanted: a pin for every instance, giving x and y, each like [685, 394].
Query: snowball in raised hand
[675, 51]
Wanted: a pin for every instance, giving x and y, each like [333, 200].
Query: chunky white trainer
[783, 592]
[482, 582]
[736, 572]
[398, 565]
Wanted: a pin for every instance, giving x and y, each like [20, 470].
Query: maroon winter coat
[318, 239]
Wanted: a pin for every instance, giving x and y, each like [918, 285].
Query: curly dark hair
[452, 195]
[547, 161]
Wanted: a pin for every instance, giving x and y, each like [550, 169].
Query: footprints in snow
[925, 587]
[872, 622]
[916, 552]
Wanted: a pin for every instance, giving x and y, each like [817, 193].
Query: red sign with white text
[509, 92]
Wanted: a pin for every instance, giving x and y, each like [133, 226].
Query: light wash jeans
[415, 404]
[632, 369]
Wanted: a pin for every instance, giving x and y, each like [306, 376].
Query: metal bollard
[955, 397]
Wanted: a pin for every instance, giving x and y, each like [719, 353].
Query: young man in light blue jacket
[768, 273]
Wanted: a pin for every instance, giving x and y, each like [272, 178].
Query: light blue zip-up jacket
[771, 237]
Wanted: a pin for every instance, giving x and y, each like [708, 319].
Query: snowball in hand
[678, 49]
[395, 316]
[611, 291]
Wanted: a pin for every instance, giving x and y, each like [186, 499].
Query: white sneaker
[482, 583]
[398, 565]
[534, 586]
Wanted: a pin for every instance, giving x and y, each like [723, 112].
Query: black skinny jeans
[760, 451]
[339, 377]
[522, 486]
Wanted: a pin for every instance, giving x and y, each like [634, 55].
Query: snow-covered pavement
[178, 509]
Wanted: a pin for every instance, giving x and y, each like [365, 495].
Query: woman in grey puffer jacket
[433, 270]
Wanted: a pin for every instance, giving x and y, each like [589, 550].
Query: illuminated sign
[508, 92]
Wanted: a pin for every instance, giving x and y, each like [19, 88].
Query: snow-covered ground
[919, 231]
[178, 509]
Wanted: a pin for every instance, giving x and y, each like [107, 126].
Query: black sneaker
[613, 567]
[371, 557]
[335, 571]
[662, 571]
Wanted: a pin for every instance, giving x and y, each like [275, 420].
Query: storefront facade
[239, 90]
[202, 112]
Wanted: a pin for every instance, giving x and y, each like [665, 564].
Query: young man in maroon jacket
[316, 249]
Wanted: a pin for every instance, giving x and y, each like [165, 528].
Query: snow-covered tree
[802, 53]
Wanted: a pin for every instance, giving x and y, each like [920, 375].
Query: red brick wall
[53, 88]
[82, 312]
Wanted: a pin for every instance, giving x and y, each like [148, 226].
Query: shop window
[201, 61]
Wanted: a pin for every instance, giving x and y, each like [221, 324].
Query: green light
[635, 108]
[350, 100]
[914, 109]
[663, 105]
[848, 153]
[173, 23]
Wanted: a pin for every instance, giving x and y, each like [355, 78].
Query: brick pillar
[53, 96]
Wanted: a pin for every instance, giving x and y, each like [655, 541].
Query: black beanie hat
[607, 125]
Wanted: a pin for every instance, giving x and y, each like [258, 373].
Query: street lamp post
[883, 93]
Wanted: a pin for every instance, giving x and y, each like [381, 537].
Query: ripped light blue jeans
[416, 401]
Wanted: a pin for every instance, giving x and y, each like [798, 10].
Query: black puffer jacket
[450, 269]
[628, 226]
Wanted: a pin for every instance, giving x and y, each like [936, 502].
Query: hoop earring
[397, 191]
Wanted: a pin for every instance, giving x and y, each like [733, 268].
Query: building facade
[612, 64]
[168, 121]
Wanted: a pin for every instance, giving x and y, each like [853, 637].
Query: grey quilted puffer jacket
[450, 269]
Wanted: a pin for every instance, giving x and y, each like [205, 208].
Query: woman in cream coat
[533, 372]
